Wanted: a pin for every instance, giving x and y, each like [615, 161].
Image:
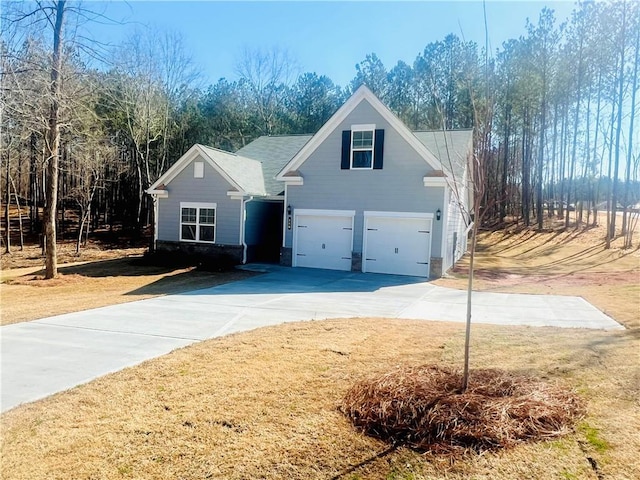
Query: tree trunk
[7, 202]
[33, 185]
[52, 145]
[595, 196]
[616, 165]
[543, 127]
[634, 88]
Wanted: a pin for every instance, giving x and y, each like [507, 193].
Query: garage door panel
[324, 242]
[398, 245]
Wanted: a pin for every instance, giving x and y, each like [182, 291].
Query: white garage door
[396, 244]
[323, 240]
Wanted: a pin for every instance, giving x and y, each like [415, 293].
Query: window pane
[189, 215]
[362, 159]
[207, 233]
[188, 232]
[363, 139]
[207, 215]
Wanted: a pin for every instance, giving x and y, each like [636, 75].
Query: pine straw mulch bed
[422, 407]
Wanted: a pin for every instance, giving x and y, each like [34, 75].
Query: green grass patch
[592, 436]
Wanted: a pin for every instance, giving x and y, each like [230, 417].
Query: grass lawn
[263, 404]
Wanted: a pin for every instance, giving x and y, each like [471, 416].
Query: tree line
[87, 128]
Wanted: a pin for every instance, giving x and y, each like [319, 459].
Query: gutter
[243, 220]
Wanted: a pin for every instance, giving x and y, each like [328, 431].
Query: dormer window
[362, 148]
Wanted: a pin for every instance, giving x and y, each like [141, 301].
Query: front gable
[362, 123]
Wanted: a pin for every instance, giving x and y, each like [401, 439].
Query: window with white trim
[198, 222]
[362, 148]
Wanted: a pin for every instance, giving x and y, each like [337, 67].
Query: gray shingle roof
[274, 152]
[245, 172]
[451, 148]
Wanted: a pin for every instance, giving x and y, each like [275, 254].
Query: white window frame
[198, 206]
[362, 128]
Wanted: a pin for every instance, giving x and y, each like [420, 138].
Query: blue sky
[326, 37]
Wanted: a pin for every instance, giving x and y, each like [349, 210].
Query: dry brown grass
[263, 404]
[423, 407]
[101, 277]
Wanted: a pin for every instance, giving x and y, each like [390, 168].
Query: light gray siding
[210, 189]
[456, 237]
[398, 187]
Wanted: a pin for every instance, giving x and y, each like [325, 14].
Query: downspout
[156, 204]
[243, 221]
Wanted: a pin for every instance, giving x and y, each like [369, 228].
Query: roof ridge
[287, 135]
[218, 150]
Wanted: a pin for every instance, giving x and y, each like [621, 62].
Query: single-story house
[364, 193]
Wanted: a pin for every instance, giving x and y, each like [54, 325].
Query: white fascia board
[363, 93]
[397, 214]
[185, 160]
[363, 128]
[158, 193]
[236, 195]
[434, 181]
[175, 169]
[324, 213]
[293, 181]
[323, 133]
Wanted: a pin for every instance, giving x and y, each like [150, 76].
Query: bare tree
[266, 73]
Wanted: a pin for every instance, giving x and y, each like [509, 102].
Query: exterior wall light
[288, 209]
[438, 214]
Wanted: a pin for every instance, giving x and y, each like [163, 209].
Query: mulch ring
[422, 407]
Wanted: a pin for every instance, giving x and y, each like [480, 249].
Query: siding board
[210, 189]
[398, 186]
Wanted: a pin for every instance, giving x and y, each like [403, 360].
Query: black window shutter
[345, 164]
[378, 150]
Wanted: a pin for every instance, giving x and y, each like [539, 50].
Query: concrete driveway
[46, 356]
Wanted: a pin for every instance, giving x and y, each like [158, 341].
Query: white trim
[445, 227]
[284, 219]
[298, 181]
[398, 214]
[434, 181]
[362, 93]
[155, 220]
[236, 195]
[198, 206]
[158, 193]
[324, 213]
[311, 212]
[194, 152]
[364, 127]
[243, 221]
[352, 149]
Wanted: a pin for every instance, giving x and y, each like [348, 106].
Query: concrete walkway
[46, 356]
